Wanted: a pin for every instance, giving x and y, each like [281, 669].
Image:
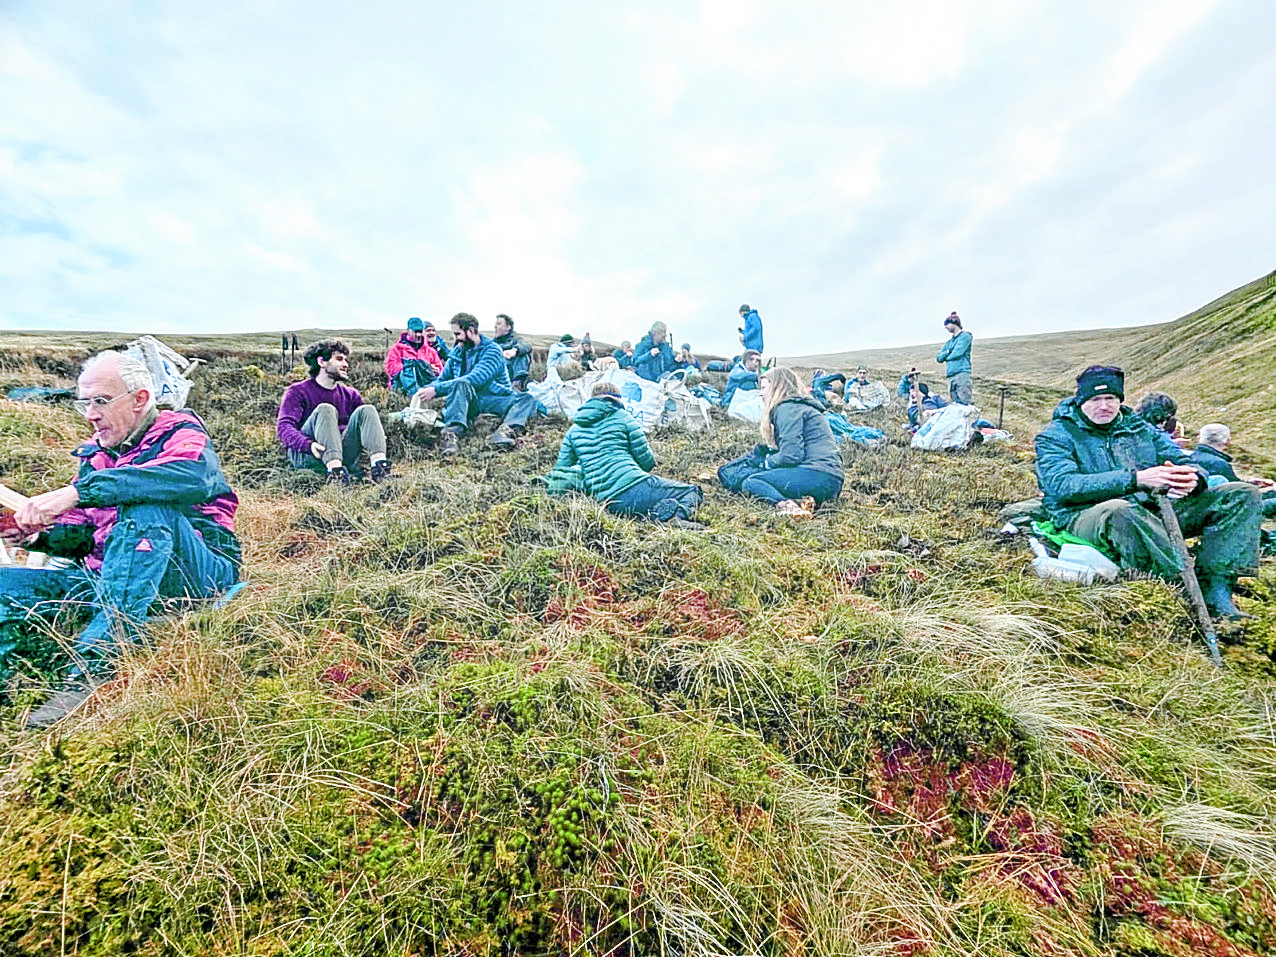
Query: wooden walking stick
[1193, 587]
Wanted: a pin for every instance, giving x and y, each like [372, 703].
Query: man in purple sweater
[325, 425]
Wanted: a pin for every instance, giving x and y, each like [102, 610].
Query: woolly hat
[686, 346]
[1101, 380]
[954, 319]
[745, 309]
[416, 325]
[428, 325]
[567, 337]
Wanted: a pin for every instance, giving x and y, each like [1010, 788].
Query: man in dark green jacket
[605, 455]
[518, 354]
[1098, 465]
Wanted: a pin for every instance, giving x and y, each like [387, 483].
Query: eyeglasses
[82, 406]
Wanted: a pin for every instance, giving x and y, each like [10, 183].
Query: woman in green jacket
[605, 455]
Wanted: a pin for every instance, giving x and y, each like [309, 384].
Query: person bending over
[605, 455]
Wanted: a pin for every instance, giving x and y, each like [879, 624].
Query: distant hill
[1214, 361]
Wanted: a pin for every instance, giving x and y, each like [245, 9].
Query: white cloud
[856, 169]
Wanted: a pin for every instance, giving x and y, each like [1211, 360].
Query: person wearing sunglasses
[148, 517]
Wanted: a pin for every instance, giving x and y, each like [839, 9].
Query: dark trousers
[464, 404]
[153, 552]
[775, 485]
[1227, 517]
[658, 498]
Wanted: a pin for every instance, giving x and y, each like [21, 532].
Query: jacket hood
[804, 400]
[597, 409]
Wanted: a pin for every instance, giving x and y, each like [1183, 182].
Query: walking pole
[1001, 415]
[1193, 588]
[283, 353]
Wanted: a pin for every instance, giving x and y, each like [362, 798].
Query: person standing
[955, 353]
[325, 425]
[751, 331]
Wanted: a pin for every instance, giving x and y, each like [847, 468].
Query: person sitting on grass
[605, 455]
[475, 380]
[798, 465]
[1211, 455]
[624, 355]
[1100, 466]
[1160, 411]
[863, 394]
[564, 350]
[412, 362]
[517, 353]
[324, 425]
[653, 357]
[150, 513]
[436, 341]
[685, 359]
[922, 404]
[744, 375]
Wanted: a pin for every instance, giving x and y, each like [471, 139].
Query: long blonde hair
[784, 385]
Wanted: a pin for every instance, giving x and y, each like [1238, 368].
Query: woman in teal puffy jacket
[605, 455]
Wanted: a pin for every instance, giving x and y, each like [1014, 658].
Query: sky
[854, 169]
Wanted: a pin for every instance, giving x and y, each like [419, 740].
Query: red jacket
[404, 350]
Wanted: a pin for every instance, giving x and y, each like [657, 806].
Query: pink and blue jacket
[173, 464]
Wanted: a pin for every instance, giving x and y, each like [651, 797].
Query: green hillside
[1214, 361]
[452, 715]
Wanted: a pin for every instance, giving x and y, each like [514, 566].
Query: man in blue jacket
[751, 331]
[955, 353]
[1099, 465]
[653, 356]
[744, 375]
[475, 380]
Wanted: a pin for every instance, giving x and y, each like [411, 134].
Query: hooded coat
[1080, 464]
[804, 437]
[608, 447]
[406, 353]
[649, 366]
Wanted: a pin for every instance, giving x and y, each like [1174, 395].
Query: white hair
[131, 370]
[1216, 435]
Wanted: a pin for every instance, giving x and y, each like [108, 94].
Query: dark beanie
[567, 337]
[1101, 380]
[745, 309]
[954, 319]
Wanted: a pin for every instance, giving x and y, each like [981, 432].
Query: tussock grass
[451, 715]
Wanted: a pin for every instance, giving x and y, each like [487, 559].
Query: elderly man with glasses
[149, 514]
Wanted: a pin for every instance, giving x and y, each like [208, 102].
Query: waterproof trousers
[153, 552]
[659, 498]
[364, 433]
[1227, 518]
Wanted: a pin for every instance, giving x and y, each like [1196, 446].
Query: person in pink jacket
[412, 363]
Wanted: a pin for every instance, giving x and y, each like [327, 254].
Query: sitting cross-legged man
[324, 425]
[1099, 466]
[149, 513]
[475, 380]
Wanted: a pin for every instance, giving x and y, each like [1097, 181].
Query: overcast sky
[855, 170]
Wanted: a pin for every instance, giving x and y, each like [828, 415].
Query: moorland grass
[453, 715]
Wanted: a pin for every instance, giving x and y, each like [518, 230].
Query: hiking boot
[73, 693]
[503, 438]
[339, 476]
[380, 472]
[450, 443]
[1218, 598]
